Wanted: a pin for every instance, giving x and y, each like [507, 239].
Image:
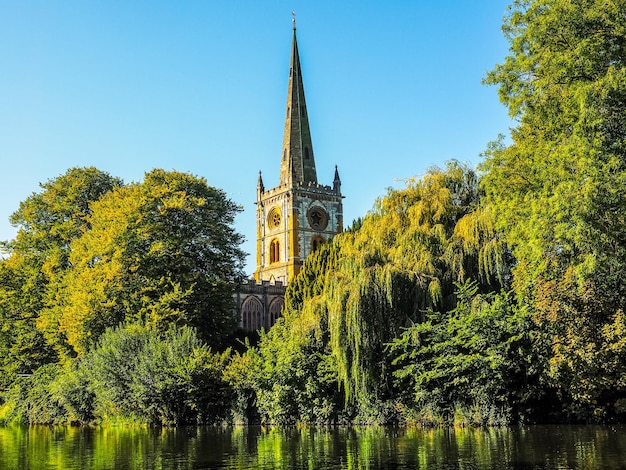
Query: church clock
[318, 218]
[274, 218]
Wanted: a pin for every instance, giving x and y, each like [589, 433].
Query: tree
[22, 346]
[134, 374]
[291, 377]
[161, 252]
[355, 295]
[47, 223]
[477, 361]
[159, 378]
[558, 190]
[406, 258]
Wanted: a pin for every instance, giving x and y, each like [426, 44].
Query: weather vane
[293, 20]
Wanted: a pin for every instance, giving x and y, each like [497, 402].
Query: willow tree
[357, 294]
[558, 190]
[412, 248]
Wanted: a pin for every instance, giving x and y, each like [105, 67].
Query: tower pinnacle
[337, 181]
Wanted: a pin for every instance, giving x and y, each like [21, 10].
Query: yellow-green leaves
[358, 292]
[162, 252]
[557, 192]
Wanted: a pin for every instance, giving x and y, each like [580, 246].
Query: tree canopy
[467, 296]
[47, 223]
[161, 252]
[558, 190]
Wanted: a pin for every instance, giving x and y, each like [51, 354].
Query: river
[533, 447]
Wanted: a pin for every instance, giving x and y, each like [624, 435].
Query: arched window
[316, 242]
[274, 251]
[251, 314]
[276, 307]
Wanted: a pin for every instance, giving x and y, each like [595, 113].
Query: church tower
[298, 215]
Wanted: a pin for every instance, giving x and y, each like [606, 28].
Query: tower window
[274, 218]
[316, 242]
[274, 251]
[318, 218]
[285, 154]
[306, 153]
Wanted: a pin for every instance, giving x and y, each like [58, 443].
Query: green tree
[169, 378]
[476, 363]
[328, 357]
[22, 346]
[406, 258]
[291, 376]
[558, 189]
[134, 374]
[161, 252]
[32, 399]
[47, 222]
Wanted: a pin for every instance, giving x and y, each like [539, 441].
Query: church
[293, 218]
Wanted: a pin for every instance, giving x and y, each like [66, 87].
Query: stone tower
[298, 215]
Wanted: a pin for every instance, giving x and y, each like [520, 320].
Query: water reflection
[538, 447]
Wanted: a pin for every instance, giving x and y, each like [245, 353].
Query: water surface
[535, 447]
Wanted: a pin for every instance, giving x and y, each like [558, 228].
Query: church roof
[298, 163]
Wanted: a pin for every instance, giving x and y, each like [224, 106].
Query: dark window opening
[274, 251]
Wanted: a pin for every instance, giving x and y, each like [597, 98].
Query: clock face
[274, 218]
[318, 218]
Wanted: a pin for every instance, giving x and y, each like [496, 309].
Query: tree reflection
[349, 448]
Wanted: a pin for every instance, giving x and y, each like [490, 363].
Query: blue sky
[200, 86]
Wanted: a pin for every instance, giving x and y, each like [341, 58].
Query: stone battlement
[250, 286]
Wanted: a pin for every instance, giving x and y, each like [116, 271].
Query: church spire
[297, 164]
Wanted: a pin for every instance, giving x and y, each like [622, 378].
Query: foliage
[22, 347]
[477, 358]
[290, 377]
[326, 360]
[161, 252]
[406, 257]
[31, 399]
[557, 191]
[162, 379]
[91, 254]
[134, 375]
[47, 223]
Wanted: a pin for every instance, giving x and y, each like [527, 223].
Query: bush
[166, 379]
